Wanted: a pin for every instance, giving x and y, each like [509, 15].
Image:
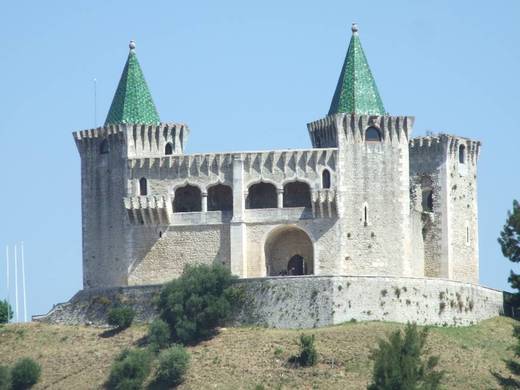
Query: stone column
[238, 233]
[204, 202]
[280, 197]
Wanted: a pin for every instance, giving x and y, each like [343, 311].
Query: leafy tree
[5, 378]
[121, 317]
[173, 364]
[198, 301]
[25, 374]
[6, 312]
[130, 370]
[399, 363]
[509, 241]
[158, 335]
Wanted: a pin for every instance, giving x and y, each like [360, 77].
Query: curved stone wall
[313, 301]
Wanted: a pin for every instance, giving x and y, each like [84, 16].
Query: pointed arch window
[168, 149]
[372, 134]
[325, 179]
[143, 186]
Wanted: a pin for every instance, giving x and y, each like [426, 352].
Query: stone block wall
[312, 301]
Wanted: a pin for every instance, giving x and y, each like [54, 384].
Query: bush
[5, 378]
[6, 312]
[197, 302]
[121, 317]
[173, 364]
[308, 355]
[130, 370]
[158, 335]
[25, 373]
[398, 363]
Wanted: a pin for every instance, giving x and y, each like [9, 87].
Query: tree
[6, 312]
[25, 374]
[509, 241]
[399, 363]
[201, 299]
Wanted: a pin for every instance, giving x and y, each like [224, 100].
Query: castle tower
[372, 173]
[443, 174]
[131, 135]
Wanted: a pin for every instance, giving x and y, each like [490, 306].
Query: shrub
[399, 363]
[6, 312]
[198, 301]
[25, 373]
[308, 355]
[5, 378]
[158, 335]
[130, 370]
[173, 364]
[121, 317]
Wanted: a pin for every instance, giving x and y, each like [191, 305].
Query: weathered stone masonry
[366, 200]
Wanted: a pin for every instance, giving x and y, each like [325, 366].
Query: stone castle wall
[312, 301]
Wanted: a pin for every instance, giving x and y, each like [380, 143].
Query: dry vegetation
[74, 357]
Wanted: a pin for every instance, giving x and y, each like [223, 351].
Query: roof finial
[354, 28]
[131, 45]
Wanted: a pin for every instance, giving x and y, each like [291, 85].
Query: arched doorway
[289, 251]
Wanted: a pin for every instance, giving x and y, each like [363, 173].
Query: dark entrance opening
[296, 266]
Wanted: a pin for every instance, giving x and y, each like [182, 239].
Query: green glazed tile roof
[356, 92]
[132, 101]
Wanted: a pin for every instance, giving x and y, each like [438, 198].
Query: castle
[366, 200]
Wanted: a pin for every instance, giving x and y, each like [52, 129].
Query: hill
[79, 357]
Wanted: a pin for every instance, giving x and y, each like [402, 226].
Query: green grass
[242, 358]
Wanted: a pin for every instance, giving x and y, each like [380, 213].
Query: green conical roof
[132, 101]
[356, 92]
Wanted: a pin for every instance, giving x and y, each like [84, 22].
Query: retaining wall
[312, 301]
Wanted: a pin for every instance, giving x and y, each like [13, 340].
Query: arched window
[372, 134]
[103, 147]
[296, 194]
[168, 149]
[462, 154]
[220, 197]
[187, 199]
[143, 186]
[427, 200]
[325, 179]
[262, 196]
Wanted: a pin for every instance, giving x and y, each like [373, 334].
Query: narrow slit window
[143, 187]
[365, 216]
[462, 154]
[325, 179]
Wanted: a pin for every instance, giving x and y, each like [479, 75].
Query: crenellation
[366, 200]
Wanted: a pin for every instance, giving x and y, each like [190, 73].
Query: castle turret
[373, 172]
[443, 172]
[132, 132]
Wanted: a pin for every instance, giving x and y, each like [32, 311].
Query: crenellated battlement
[445, 142]
[393, 129]
[140, 140]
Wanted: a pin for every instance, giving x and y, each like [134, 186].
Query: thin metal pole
[23, 286]
[95, 102]
[7, 276]
[16, 283]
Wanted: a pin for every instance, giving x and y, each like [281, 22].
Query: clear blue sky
[244, 76]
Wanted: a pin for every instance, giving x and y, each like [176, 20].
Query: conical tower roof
[356, 92]
[132, 101]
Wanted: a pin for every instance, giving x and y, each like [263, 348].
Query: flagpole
[16, 283]
[23, 286]
[7, 277]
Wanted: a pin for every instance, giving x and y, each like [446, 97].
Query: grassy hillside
[75, 357]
